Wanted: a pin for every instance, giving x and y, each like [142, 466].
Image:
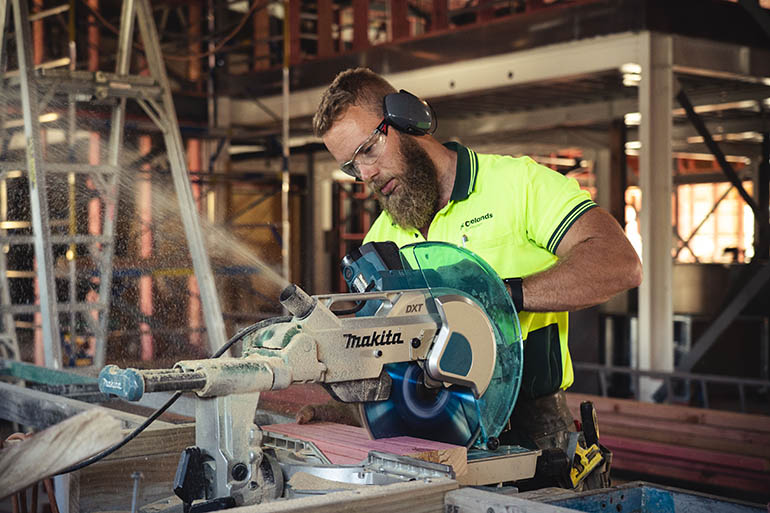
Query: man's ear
[409, 114]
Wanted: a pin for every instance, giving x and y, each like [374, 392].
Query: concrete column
[656, 343]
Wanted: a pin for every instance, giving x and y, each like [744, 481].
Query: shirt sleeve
[553, 204]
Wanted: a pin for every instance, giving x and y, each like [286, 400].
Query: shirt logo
[475, 220]
[383, 338]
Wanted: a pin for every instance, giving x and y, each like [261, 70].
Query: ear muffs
[409, 114]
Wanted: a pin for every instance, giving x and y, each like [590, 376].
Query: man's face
[403, 178]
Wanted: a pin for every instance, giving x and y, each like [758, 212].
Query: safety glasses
[368, 152]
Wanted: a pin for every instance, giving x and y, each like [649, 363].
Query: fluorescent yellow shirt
[513, 213]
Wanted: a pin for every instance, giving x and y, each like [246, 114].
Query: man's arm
[596, 261]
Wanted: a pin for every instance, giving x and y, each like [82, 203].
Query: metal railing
[671, 378]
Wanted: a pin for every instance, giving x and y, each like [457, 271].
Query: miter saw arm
[318, 346]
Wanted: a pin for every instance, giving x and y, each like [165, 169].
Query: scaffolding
[73, 301]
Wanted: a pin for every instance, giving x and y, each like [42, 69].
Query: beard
[413, 204]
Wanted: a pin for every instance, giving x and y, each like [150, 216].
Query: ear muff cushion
[407, 113]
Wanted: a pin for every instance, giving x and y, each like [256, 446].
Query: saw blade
[449, 415]
[453, 414]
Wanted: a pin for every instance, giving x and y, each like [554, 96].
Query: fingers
[333, 411]
[305, 415]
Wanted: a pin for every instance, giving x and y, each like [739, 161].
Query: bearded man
[555, 249]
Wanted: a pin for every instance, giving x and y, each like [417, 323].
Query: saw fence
[715, 449]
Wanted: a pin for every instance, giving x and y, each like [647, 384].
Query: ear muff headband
[408, 114]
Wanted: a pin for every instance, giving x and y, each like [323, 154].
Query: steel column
[399, 24]
[261, 52]
[292, 35]
[618, 177]
[209, 297]
[324, 25]
[285, 177]
[37, 188]
[762, 188]
[360, 25]
[603, 174]
[439, 15]
[656, 337]
[3, 25]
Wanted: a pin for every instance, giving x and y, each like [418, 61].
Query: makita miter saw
[434, 351]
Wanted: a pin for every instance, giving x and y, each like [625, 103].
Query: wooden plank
[41, 410]
[751, 443]
[56, 448]
[341, 443]
[411, 497]
[338, 445]
[673, 437]
[289, 400]
[694, 472]
[748, 438]
[108, 485]
[687, 414]
[471, 500]
[690, 454]
[160, 440]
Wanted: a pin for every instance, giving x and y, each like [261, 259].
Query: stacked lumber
[713, 448]
[347, 445]
[106, 485]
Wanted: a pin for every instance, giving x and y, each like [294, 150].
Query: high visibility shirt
[513, 213]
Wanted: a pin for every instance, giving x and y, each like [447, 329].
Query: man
[556, 250]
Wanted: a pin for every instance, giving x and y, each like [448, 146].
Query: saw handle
[132, 384]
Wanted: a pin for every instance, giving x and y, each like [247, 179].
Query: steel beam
[574, 58]
[554, 61]
[728, 170]
[656, 337]
[36, 178]
[716, 59]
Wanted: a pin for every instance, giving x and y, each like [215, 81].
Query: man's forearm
[591, 273]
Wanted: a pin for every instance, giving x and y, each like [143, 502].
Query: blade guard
[453, 358]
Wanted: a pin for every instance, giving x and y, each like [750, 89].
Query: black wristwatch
[517, 294]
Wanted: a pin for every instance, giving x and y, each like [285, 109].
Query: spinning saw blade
[453, 414]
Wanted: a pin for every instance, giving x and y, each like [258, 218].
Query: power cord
[235, 338]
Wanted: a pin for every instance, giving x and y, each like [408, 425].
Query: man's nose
[367, 172]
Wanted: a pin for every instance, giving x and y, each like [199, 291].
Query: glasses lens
[368, 153]
[372, 150]
[349, 167]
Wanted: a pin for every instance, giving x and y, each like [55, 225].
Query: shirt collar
[466, 172]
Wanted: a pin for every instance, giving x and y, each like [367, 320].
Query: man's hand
[331, 411]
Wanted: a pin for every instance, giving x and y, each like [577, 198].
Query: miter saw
[434, 351]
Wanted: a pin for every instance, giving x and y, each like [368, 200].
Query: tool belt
[571, 458]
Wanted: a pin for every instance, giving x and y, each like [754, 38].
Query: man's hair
[356, 86]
